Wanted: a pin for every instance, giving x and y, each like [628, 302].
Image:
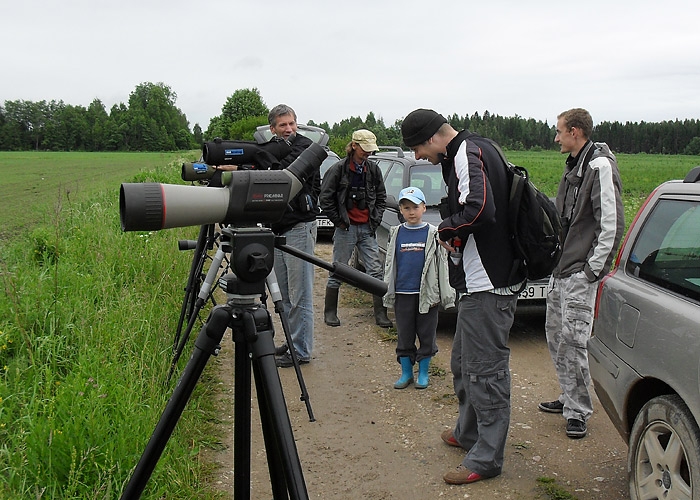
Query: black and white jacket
[478, 195]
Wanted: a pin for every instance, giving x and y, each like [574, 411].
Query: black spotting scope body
[265, 156]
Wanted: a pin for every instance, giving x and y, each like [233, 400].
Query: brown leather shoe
[449, 438]
[462, 475]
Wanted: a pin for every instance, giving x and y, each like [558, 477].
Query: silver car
[645, 350]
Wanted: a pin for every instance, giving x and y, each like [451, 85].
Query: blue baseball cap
[412, 194]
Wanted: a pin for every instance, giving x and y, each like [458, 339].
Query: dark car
[319, 136]
[645, 349]
[400, 170]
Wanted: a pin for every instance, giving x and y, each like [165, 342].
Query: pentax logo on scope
[267, 197]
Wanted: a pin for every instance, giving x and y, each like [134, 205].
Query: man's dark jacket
[481, 219]
[334, 193]
[304, 206]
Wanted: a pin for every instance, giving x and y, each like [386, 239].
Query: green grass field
[640, 173]
[32, 183]
[87, 318]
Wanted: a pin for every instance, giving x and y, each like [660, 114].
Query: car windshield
[429, 179]
[327, 163]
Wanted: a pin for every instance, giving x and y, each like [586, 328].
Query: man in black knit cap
[475, 231]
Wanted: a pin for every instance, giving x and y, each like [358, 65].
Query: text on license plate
[534, 291]
[324, 222]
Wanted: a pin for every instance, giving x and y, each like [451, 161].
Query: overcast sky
[624, 60]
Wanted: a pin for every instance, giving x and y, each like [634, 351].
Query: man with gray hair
[298, 225]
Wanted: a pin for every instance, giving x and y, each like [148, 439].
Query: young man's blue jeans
[295, 277]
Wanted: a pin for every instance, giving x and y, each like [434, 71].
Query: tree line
[151, 121]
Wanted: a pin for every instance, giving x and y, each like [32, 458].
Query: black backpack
[533, 221]
[535, 226]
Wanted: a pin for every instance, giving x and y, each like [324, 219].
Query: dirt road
[371, 441]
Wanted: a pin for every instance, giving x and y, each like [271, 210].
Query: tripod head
[252, 259]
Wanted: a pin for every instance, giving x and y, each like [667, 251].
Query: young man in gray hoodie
[590, 206]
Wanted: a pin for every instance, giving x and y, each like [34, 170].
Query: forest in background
[151, 121]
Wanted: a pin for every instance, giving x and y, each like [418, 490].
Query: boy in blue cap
[417, 280]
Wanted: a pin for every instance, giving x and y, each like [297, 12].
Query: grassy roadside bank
[86, 329]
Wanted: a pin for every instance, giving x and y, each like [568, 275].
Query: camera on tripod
[245, 154]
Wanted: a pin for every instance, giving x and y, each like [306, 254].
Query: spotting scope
[247, 198]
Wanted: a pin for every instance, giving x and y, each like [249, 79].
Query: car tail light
[600, 291]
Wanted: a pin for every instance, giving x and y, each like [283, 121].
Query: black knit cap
[420, 125]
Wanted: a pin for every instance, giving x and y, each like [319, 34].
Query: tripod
[252, 329]
[252, 260]
[205, 290]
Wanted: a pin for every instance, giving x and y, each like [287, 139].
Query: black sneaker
[551, 406]
[285, 361]
[575, 429]
[279, 350]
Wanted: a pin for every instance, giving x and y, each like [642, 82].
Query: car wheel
[663, 457]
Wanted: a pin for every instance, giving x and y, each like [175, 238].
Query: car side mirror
[394, 206]
[392, 203]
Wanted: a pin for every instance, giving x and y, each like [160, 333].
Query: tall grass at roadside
[86, 326]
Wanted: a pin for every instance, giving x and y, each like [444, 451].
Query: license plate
[534, 291]
[324, 222]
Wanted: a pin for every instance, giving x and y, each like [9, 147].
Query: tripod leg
[292, 352]
[274, 460]
[190, 287]
[204, 292]
[206, 345]
[272, 404]
[276, 295]
[242, 420]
